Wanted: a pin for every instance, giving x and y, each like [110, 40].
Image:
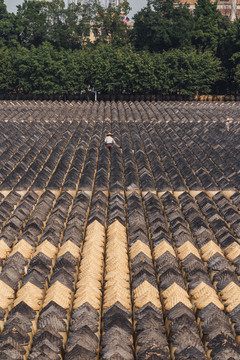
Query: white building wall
[75, 2]
[114, 2]
[103, 2]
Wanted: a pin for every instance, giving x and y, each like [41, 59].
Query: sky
[136, 5]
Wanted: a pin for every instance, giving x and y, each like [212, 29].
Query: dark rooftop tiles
[121, 255]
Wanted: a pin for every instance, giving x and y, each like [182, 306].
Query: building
[115, 2]
[74, 2]
[229, 8]
[105, 3]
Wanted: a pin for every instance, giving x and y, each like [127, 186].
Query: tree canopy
[46, 49]
[162, 26]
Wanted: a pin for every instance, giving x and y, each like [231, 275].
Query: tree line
[45, 49]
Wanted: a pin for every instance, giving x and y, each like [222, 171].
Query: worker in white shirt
[109, 141]
[228, 124]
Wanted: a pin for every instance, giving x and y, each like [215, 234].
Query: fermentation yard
[133, 254]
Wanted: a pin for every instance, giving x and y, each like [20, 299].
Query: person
[228, 124]
[109, 141]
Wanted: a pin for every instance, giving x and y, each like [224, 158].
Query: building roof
[121, 255]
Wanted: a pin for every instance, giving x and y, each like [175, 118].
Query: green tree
[80, 20]
[22, 63]
[140, 72]
[120, 70]
[7, 33]
[46, 71]
[229, 53]
[59, 33]
[40, 21]
[230, 43]
[210, 26]
[123, 70]
[76, 66]
[37, 70]
[189, 72]
[31, 23]
[7, 71]
[237, 77]
[162, 25]
[110, 24]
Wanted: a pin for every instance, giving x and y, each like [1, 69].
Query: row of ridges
[40, 262]
[165, 298]
[17, 197]
[45, 161]
[186, 163]
[38, 252]
[98, 320]
[196, 260]
[52, 305]
[150, 339]
[35, 106]
[21, 322]
[84, 335]
[170, 155]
